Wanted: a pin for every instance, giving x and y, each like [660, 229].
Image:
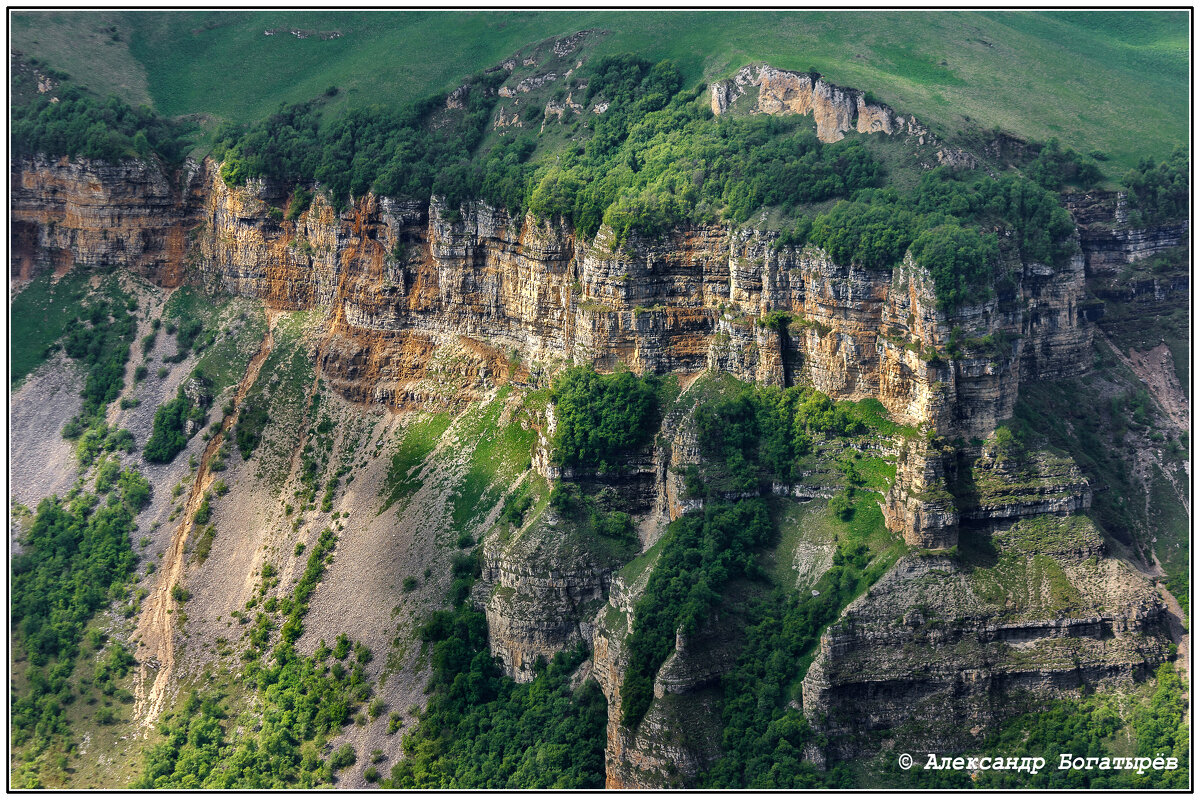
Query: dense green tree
[600, 417]
[1159, 192]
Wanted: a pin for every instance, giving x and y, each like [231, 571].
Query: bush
[252, 420]
[168, 437]
[343, 757]
[205, 542]
[702, 551]
[1158, 192]
[842, 504]
[410, 584]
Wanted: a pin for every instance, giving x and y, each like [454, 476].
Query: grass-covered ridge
[1035, 73]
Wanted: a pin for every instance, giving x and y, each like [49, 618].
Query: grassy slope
[1112, 81]
[83, 45]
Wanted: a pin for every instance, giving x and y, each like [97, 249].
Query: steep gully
[155, 632]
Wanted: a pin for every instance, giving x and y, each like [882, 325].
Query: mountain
[598, 418]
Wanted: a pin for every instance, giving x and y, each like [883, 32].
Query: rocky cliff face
[1030, 606]
[1107, 241]
[66, 212]
[835, 109]
[399, 283]
[426, 306]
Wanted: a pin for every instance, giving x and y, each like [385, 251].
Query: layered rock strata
[1030, 609]
[835, 109]
[67, 212]
[1108, 243]
[398, 281]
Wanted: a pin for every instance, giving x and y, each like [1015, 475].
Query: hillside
[1109, 81]
[468, 401]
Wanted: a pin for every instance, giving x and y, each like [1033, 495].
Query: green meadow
[1113, 81]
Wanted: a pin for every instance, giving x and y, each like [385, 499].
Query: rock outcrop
[835, 109]
[1108, 243]
[65, 212]
[400, 282]
[1034, 607]
[428, 306]
[919, 504]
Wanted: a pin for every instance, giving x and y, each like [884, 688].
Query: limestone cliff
[836, 110]
[75, 211]
[427, 306]
[398, 281]
[1031, 608]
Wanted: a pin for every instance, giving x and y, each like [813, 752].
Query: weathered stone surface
[400, 283]
[834, 108]
[992, 487]
[74, 211]
[919, 505]
[1108, 243]
[428, 306]
[1036, 608]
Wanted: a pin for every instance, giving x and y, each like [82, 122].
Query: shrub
[343, 757]
[168, 437]
[842, 504]
[203, 512]
[204, 543]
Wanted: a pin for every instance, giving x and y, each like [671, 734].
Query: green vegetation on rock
[703, 552]
[600, 418]
[765, 736]
[75, 559]
[480, 729]
[77, 124]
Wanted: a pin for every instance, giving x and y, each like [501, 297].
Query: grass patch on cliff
[39, 316]
[418, 439]
[499, 456]
[224, 363]
[764, 735]
[278, 400]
